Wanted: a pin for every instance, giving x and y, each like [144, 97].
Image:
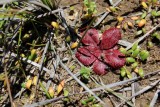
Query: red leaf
[110, 38]
[94, 50]
[99, 67]
[91, 37]
[114, 58]
[84, 51]
[101, 54]
[86, 58]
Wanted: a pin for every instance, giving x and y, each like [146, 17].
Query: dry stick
[141, 91]
[82, 84]
[133, 87]
[53, 70]
[155, 97]
[40, 4]
[43, 56]
[41, 65]
[105, 14]
[8, 86]
[144, 36]
[54, 11]
[124, 43]
[6, 1]
[96, 89]
[111, 2]
[73, 56]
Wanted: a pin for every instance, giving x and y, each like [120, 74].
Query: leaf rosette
[101, 51]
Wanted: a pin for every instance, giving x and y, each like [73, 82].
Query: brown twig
[8, 86]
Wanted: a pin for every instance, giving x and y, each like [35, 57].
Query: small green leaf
[144, 15]
[128, 73]
[135, 52]
[85, 72]
[113, 9]
[144, 55]
[154, 1]
[33, 55]
[155, 34]
[144, 30]
[158, 13]
[134, 65]
[139, 32]
[91, 6]
[65, 92]
[135, 45]
[123, 72]
[84, 102]
[23, 85]
[141, 72]
[130, 60]
[150, 44]
[123, 50]
[72, 67]
[158, 37]
[129, 52]
[71, 8]
[153, 13]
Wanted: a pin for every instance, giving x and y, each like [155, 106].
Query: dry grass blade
[133, 88]
[141, 91]
[111, 2]
[6, 1]
[124, 43]
[8, 86]
[152, 104]
[40, 4]
[101, 19]
[43, 56]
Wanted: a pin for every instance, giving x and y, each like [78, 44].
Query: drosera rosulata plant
[101, 51]
[134, 57]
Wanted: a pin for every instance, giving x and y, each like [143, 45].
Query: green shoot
[85, 72]
[91, 6]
